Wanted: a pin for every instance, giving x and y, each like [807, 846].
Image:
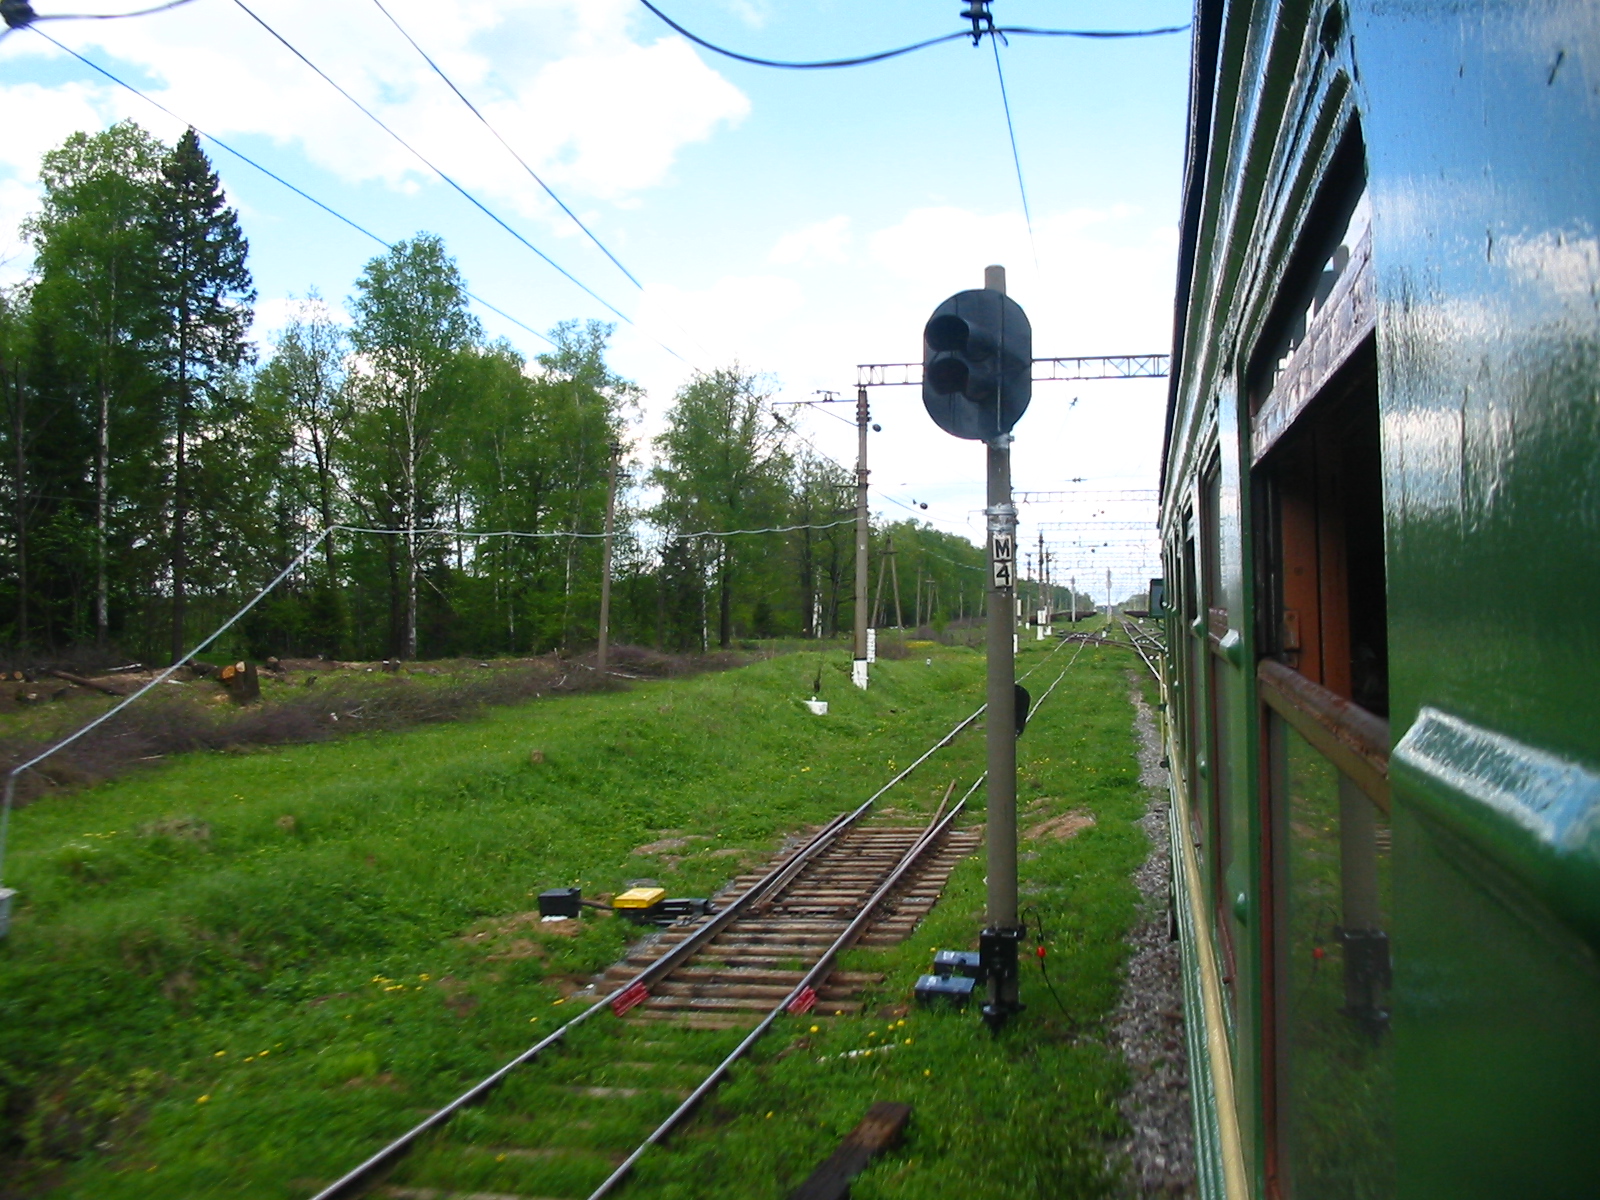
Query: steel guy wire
[882, 55]
[160, 678]
[451, 181]
[316, 541]
[273, 175]
[1016, 158]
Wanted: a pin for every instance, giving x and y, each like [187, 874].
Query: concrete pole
[858, 668]
[605, 563]
[1000, 938]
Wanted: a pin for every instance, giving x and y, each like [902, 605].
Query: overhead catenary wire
[532, 174]
[274, 176]
[884, 55]
[451, 180]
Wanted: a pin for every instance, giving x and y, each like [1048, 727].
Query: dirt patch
[521, 935]
[183, 829]
[668, 844]
[1067, 825]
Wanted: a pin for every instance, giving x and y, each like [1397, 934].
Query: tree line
[158, 471]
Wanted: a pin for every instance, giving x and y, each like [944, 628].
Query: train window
[1322, 627]
[1326, 611]
[1348, 254]
[1334, 1101]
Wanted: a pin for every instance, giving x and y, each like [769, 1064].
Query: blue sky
[797, 222]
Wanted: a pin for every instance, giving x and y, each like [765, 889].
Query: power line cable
[1016, 158]
[532, 174]
[274, 176]
[473, 200]
[19, 14]
[882, 55]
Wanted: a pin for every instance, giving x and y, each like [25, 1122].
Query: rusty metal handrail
[1353, 739]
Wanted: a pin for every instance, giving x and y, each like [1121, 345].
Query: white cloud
[274, 314]
[824, 241]
[595, 111]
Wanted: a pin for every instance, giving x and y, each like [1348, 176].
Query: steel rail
[1133, 640]
[354, 1182]
[822, 967]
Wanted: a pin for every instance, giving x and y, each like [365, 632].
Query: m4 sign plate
[1002, 560]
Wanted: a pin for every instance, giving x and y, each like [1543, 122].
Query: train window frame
[1327, 305]
[1321, 625]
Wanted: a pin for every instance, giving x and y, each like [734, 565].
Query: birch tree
[412, 332]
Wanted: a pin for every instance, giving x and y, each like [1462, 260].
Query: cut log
[879, 1130]
[88, 683]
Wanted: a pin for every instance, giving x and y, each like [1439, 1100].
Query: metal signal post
[1000, 937]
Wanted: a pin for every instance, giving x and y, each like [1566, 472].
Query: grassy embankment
[233, 975]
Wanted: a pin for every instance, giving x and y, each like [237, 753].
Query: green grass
[234, 975]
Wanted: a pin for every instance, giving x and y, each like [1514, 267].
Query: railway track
[741, 972]
[554, 1127]
[767, 950]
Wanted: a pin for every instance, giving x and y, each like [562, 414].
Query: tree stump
[241, 681]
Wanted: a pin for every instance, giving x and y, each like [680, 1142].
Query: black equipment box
[560, 902]
[954, 990]
[956, 962]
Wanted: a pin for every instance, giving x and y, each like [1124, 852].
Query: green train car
[1381, 543]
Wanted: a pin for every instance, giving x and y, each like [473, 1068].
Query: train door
[1193, 632]
[1323, 685]
[1216, 680]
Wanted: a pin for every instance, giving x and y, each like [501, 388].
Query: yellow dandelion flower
[219, 1054]
[203, 1099]
[814, 1028]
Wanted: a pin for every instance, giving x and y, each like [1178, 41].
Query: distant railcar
[1381, 539]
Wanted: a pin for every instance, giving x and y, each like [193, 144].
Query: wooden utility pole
[884, 568]
[605, 563]
[894, 570]
[858, 668]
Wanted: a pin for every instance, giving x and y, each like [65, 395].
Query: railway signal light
[977, 364]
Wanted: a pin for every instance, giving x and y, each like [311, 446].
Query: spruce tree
[206, 292]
